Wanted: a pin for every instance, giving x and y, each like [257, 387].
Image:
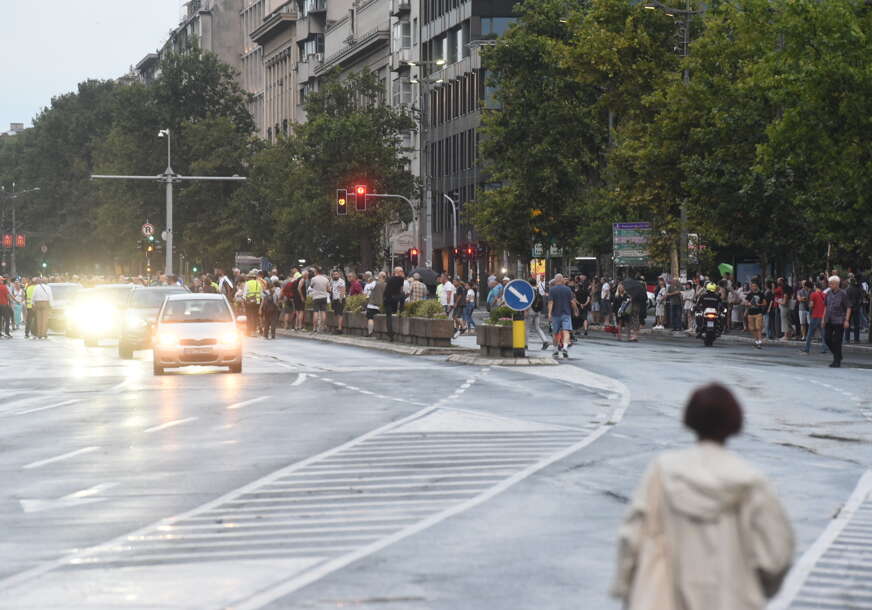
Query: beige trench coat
[704, 532]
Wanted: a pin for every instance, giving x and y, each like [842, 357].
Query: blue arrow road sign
[519, 295]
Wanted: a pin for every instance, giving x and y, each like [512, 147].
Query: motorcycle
[710, 324]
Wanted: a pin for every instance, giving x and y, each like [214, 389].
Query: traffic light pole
[169, 177]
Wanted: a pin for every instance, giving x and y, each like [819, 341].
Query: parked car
[62, 293]
[143, 305]
[96, 313]
[197, 329]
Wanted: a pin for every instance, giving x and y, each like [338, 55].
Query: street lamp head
[163, 132]
[439, 80]
[440, 62]
[411, 63]
[414, 81]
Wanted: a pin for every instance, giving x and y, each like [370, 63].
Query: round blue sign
[519, 295]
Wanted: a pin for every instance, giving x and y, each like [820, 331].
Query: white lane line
[59, 458]
[576, 375]
[246, 403]
[170, 424]
[803, 568]
[300, 379]
[85, 496]
[47, 407]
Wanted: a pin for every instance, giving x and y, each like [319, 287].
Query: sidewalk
[738, 337]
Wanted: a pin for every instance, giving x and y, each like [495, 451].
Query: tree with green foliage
[350, 137]
[567, 77]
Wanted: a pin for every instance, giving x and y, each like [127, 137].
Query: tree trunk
[674, 257]
[366, 254]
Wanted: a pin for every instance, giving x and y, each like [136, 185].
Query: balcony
[275, 24]
[400, 7]
[314, 6]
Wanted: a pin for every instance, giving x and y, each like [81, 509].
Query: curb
[375, 344]
[479, 361]
[738, 340]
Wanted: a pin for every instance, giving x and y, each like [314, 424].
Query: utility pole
[13, 269]
[169, 177]
[454, 243]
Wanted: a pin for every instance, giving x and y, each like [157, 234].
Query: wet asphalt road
[495, 508]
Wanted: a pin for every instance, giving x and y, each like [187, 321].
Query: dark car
[97, 313]
[143, 305]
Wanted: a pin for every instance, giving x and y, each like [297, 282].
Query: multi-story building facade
[251, 17]
[452, 85]
[427, 54]
[213, 24]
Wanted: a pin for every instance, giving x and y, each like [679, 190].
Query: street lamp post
[423, 96]
[454, 215]
[169, 177]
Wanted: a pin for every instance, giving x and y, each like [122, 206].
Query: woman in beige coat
[705, 530]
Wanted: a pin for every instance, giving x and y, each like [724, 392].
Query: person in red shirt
[818, 304]
[354, 285]
[5, 308]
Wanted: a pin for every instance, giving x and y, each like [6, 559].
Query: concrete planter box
[494, 340]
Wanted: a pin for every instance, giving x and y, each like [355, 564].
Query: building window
[494, 27]
[402, 92]
[311, 45]
[402, 35]
[415, 31]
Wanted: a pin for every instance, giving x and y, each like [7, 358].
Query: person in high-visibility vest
[30, 315]
[252, 296]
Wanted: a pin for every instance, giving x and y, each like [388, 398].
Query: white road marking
[245, 403]
[59, 458]
[47, 407]
[170, 424]
[300, 379]
[85, 496]
[801, 570]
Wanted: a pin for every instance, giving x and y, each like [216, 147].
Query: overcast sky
[48, 46]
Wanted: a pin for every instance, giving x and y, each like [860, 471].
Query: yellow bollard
[519, 335]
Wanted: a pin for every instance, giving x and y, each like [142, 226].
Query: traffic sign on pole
[519, 295]
[148, 229]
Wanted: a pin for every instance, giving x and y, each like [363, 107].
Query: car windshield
[61, 293]
[151, 298]
[196, 310]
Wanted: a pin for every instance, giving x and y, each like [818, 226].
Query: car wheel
[125, 352]
[236, 368]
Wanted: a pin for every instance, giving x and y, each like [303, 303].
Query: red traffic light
[7, 240]
[20, 241]
[360, 190]
[414, 251]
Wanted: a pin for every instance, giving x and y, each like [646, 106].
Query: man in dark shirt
[393, 297]
[582, 298]
[836, 318]
[560, 307]
[757, 303]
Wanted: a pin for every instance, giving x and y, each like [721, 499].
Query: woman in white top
[705, 530]
[687, 302]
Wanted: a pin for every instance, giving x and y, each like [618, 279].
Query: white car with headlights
[96, 313]
[196, 329]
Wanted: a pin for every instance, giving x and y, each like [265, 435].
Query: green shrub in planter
[356, 303]
[411, 309]
[500, 312]
[429, 308]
